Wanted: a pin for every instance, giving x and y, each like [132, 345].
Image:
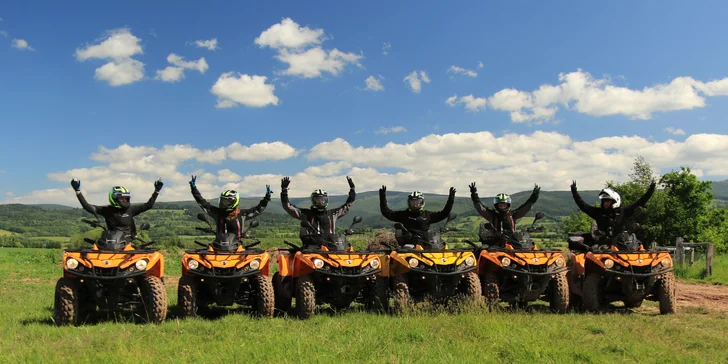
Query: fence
[680, 249]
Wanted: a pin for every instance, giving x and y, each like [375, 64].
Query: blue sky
[56, 114]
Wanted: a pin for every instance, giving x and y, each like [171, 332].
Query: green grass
[5, 232]
[697, 272]
[27, 279]
[61, 239]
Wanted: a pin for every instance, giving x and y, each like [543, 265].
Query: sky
[412, 95]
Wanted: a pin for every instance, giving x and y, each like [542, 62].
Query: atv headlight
[192, 264]
[255, 264]
[413, 262]
[374, 264]
[469, 261]
[318, 263]
[71, 263]
[141, 264]
[667, 262]
[559, 262]
[505, 261]
[608, 264]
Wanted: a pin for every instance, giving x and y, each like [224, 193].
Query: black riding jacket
[118, 219]
[222, 223]
[611, 221]
[324, 221]
[504, 222]
[416, 222]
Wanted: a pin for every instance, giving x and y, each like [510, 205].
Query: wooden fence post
[679, 252]
[709, 260]
[692, 256]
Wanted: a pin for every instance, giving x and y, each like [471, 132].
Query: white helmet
[610, 194]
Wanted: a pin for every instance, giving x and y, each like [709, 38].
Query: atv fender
[302, 265]
[285, 264]
[397, 265]
[488, 263]
[592, 264]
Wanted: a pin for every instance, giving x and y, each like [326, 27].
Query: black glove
[351, 183]
[473, 189]
[573, 185]
[285, 182]
[158, 184]
[536, 190]
[653, 183]
[452, 191]
[268, 192]
[383, 190]
[192, 182]
[76, 184]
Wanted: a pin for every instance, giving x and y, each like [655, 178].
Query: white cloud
[415, 80]
[373, 84]
[480, 64]
[462, 71]
[581, 92]
[22, 44]
[3, 33]
[386, 46]
[299, 47]
[251, 91]
[210, 44]
[394, 129]
[471, 102]
[118, 47]
[175, 73]
[9, 194]
[675, 131]
[226, 175]
[261, 151]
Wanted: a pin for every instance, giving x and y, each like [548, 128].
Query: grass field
[27, 279]
[697, 272]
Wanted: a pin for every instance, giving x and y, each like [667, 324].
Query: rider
[119, 215]
[502, 218]
[610, 215]
[227, 214]
[415, 218]
[319, 216]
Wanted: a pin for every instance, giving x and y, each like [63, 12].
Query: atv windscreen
[225, 242]
[113, 240]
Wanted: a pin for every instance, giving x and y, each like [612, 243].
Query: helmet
[229, 200]
[416, 201]
[119, 197]
[610, 194]
[502, 198]
[319, 199]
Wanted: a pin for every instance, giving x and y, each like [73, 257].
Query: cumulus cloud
[118, 47]
[470, 102]
[22, 44]
[581, 92]
[415, 80]
[462, 71]
[373, 84]
[392, 130]
[300, 48]
[675, 131]
[175, 73]
[241, 89]
[210, 44]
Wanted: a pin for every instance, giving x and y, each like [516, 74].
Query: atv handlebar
[201, 244]
[252, 244]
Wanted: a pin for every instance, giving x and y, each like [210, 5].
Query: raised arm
[629, 210]
[138, 209]
[344, 209]
[442, 215]
[583, 206]
[290, 208]
[384, 208]
[257, 210]
[522, 210]
[76, 184]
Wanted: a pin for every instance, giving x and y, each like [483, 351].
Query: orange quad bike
[431, 270]
[513, 269]
[224, 273]
[619, 269]
[113, 274]
[332, 273]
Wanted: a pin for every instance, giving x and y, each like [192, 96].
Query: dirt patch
[702, 295]
[171, 281]
[30, 280]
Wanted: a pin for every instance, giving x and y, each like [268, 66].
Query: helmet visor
[227, 203]
[320, 201]
[502, 205]
[416, 203]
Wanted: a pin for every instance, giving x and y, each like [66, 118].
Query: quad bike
[225, 272]
[115, 273]
[513, 270]
[619, 269]
[434, 271]
[331, 273]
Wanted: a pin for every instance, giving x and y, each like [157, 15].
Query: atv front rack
[203, 251]
[88, 250]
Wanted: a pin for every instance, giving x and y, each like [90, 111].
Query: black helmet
[319, 199]
[416, 201]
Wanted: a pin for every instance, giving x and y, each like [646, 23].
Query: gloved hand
[192, 182]
[285, 182]
[452, 191]
[573, 185]
[268, 192]
[158, 184]
[76, 184]
[473, 189]
[351, 183]
[383, 190]
[653, 183]
[536, 189]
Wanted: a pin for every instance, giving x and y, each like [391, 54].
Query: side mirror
[638, 211]
[357, 219]
[540, 215]
[144, 226]
[202, 217]
[253, 224]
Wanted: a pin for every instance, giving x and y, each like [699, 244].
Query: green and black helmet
[319, 199]
[119, 197]
[229, 200]
[416, 201]
[502, 198]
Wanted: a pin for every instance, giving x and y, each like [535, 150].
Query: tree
[714, 229]
[686, 202]
[574, 223]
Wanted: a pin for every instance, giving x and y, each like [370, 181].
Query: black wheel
[592, 298]
[66, 311]
[377, 299]
[490, 289]
[305, 297]
[265, 302]
[187, 296]
[559, 301]
[470, 289]
[400, 292]
[154, 299]
[666, 293]
[282, 299]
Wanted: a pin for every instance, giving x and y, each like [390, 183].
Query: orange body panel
[491, 260]
[301, 264]
[212, 260]
[95, 258]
